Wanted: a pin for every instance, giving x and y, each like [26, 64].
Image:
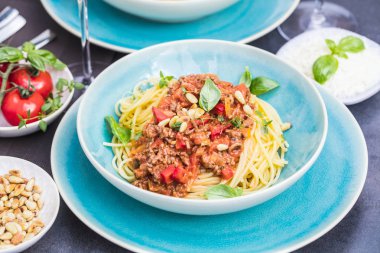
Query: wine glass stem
[86, 57]
[317, 17]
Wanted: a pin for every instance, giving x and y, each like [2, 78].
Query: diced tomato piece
[243, 89]
[217, 130]
[179, 175]
[201, 122]
[159, 115]
[227, 173]
[180, 143]
[193, 168]
[166, 174]
[219, 109]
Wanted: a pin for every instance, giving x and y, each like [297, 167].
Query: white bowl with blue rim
[296, 100]
[171, 10]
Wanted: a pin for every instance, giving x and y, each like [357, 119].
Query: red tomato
[42, 82]
[180, 143]
[217, 130]
[227, 173]
[179, 175]
[219, 109]
[166, 174]
[159, 115]
[14, 104]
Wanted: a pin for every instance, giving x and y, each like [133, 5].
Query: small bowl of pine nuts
[29, 203]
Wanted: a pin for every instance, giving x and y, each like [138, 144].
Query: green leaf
[222, 191]
[164, 80]
[58, 65]
[351, 44]
[246, 78]
[78, 86]
[42, 125]
[61, 83]
[137, 136]
[28, 46]
[176, 125]
[237, 122]
[324, 68]
[36, 61]
[261, 85]
[22, 121]
[46, 107]
[209, 95]
[220, 118]
[341, 54]
[10, 54]
[121, 133]
[265, 125]
[331, 45]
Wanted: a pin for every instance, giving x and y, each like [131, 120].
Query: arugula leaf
[164, 80]
[351, 44]
[121, 133]
[209, 95]
[237, 122]
[222, 191]
[261, 85]
[10, 54]
[325, 67]
[246, 78]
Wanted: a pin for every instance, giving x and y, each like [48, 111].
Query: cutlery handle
[7, 15]
[43, 38]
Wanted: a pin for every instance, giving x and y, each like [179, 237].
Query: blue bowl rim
[274, 188]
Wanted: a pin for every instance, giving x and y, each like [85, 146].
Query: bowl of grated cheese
[357, 77]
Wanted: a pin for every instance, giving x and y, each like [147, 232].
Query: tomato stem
[4, 82]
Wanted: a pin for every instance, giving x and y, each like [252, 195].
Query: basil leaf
[222, 191]
[10, 54]
[209, 95]
[331, 45]
[351, 44]
[42, 125]
[246, 78]
[121, 133]
[28, 46]
[325, 67]
[58, 65]
[164, 80]
[261, 85]
[61, 84]
[341, 54]
[36, 61]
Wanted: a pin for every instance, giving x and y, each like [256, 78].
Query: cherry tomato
[14, 104]
[159, 115]
[42, 82]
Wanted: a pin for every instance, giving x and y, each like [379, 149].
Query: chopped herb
[176, 125]
[164, 80]
[222, 191]
[265, 125]
[237, 122]
[220, 118]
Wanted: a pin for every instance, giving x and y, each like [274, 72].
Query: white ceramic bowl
[171, 10]
[297, 101]
[49, 196]
[7, 130]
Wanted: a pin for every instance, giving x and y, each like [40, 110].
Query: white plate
[49, 196]
[333, 33]
[7, 130]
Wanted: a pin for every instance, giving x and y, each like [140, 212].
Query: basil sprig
[222, 191]
[258, 85]
[327, 65]
[164, 80]
[121, 133]
[38, 58]
[209, 95]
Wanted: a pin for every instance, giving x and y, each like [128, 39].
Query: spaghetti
[248, 153]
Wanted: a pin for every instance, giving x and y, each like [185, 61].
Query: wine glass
[316, 14]
[85, 71]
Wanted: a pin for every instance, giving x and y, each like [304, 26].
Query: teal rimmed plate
[116, 30]
[306, 211]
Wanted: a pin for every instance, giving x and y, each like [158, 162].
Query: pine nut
[173, 121]
[183, 127]
[16, 173]
[222, 147]
[164, 122]
[17, 238]
[13, 227]
[239, 97]
[16, 180]
[29, 185]
[198, 113]
[286, 126]
[247, 109]
[192, 99]
[31, 205]
[6, 236]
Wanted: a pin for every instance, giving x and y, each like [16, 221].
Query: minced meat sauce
[169, 156]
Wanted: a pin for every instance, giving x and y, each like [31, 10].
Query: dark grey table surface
[359, 231]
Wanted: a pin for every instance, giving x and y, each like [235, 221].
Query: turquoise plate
[116, 30]
[300, 215]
